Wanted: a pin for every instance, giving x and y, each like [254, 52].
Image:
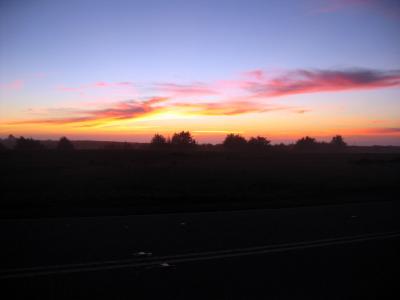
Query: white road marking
[189, 257]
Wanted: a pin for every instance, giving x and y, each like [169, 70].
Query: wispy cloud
[119, 111]
[387, 8]
[96, 85]
[328, 6]
[253, 94]
[255, 74]
[13, 85]
[227, 108]
[131, 110]
[257, 84]
[384, 130]
[304, 81]
[185, 90]
[313, 81]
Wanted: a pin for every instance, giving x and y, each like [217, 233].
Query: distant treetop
[306, 143]
[259, 143]
[338, 142]
[65, 144]
[158, 140]
[10, 142]
[183, 139]
[234, 141]
[24, 144]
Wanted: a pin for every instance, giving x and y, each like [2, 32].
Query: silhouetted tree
[338, 142]
[234, 142]
[259, 143]
[158, 141]
[183, 139]
[306, 143]
[2, 147]
[65, 144]
[10, 142]
[27, 144]
[281, 147]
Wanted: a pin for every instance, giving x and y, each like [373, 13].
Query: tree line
[185, 141]
[232, 141]
[30, 144]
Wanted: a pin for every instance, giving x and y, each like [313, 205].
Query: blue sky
[148, 40]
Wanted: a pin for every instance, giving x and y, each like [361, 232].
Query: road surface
[328, 252]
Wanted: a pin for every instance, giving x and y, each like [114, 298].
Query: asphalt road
[327, 252]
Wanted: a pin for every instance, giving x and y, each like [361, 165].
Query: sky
[125, 70]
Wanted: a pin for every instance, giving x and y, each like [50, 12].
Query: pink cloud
[118, 111]
[384, 130]
[257, 85]
[314, 81]
[255, 74]
[95, 85]
[39, 75]
[336, 5]
[301, 110]
[13, 85]
[69, 89]
[222, 108]
[124, 83]
[234, 84]
[295, 82]
[232, 108]
[132, 109]
[378, 121]
[245, 98]
[101, 84]
[378, 131]
[388, 8]
[186, 90]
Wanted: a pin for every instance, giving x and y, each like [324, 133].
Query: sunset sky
[124, 70]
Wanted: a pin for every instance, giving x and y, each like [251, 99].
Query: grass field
[47, 183]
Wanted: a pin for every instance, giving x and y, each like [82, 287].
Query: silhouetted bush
[338, 142]
[306, 144]
[183, 139]
[158, 141]
[281, 147]
[258, 143]
[29, 144]
[10, 142]
[65, 144]
[2, 147]
[234, 142]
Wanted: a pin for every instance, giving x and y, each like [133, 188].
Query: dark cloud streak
[313, 81]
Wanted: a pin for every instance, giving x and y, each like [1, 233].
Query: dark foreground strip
[165, 261]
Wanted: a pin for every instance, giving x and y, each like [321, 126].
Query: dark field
[207, 255]
[336, 235]
[360, 271]
[97, 182]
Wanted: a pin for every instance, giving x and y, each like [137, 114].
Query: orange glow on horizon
[253, 106]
